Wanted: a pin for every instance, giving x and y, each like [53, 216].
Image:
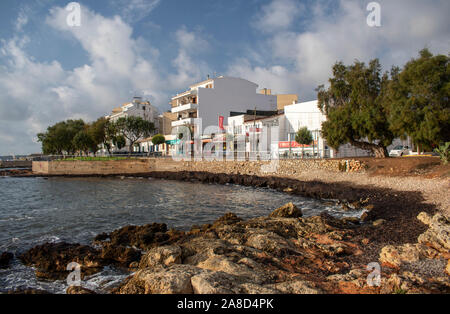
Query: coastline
[391, 221]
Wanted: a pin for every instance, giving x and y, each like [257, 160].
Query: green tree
[417, 99]
[83, 142]
[97, 130]
[304, 137]
[355, 109]
[119, 141]
[158, 139]
[58, 139]
[133, 129]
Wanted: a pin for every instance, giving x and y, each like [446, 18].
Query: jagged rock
[227, 219]
[287, 211]
[174, 280]
[28, 291]
[142, 237]
[447, 268]
[296, 287]
[121, 255]
[5, 259]
[269, 242]
[79, 290]
[161, 256]
[52, 259]
[378, 222]
[396, 255]
[438, 234]
[208, 282]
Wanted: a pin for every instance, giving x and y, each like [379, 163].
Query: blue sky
[50, 71]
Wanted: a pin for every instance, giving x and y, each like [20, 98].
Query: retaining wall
[141, 166]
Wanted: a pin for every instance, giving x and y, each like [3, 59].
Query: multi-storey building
[137, 108]
[213, 99]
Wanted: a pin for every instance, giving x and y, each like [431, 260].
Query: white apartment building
[283, 144]
[217, 97]
[137, 108]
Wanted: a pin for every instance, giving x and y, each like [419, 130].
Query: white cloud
[21, 21]
[307, 56]
[277, 15]
[133, 11]
[188, 63]
[35, 94]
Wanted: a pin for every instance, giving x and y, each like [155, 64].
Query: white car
[400, 151]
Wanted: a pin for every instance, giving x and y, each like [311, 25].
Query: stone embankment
[145, 165]
[282, 253]
[280, 167]
[16, 164]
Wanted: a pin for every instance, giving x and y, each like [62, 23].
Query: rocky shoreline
[281, 253]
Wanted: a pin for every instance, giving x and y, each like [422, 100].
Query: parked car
[400, 151]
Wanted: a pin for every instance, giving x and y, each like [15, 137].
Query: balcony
[182, 108]
[188, 121]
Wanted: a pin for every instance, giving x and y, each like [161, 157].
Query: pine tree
[354, 108]
[418, 100]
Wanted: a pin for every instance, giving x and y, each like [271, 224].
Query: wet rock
[124, 256]
[164, 256]
[101, 237]
[79, 290]
[227, 219]
[142, 237]
[52, 259]
[287, 211]
[28, 291]
[5, 259]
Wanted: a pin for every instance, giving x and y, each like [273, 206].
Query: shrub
[444, 152]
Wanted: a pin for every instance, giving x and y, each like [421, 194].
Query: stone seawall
[141, 166]
[68, 168]
[15, 164]
[281, 167]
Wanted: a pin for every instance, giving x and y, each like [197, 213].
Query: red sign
[293, 145]
[221, 119]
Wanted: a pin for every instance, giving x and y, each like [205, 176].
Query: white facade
[217, 97]
[137, 108]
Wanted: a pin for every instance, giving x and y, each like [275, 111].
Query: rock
[5, 259]
[396, 255]
[438, 234]
[227, 219]
[213, 283]
[121, 255]
[161, 256]
[101, 237]
[269, 242]
[79, 290]
[287, 211]
[378, 222]
[447, 268]
[52, 259]
[28, 291]
[296, 287]
[174, 280]
[142, 237]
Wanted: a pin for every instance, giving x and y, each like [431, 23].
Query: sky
[52, 70]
